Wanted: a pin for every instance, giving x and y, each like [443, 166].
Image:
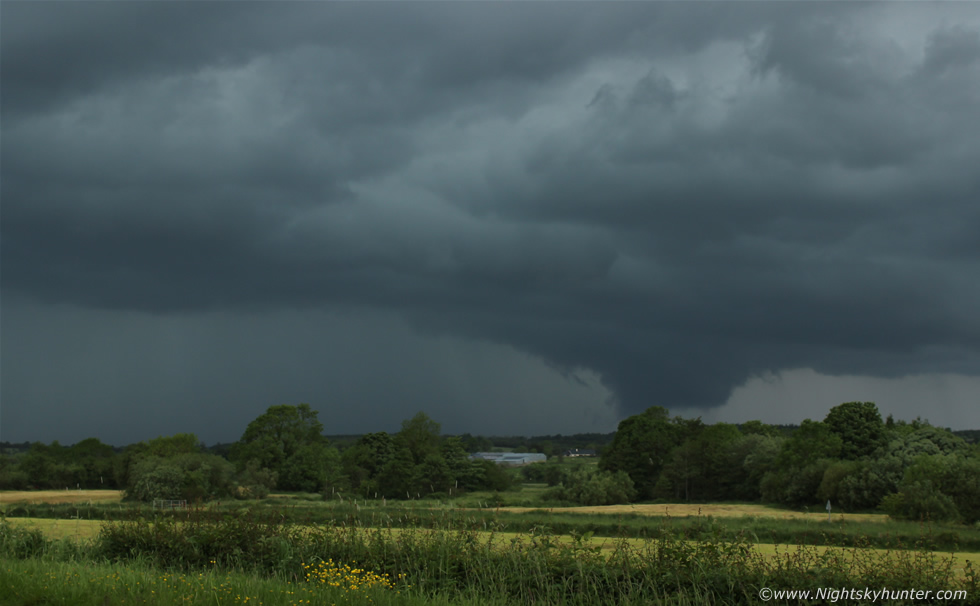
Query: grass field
[82, 530]
[89, 529]
[761, 524]
[9, 497]
[160, 559]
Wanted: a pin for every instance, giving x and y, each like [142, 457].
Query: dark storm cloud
[675, 196]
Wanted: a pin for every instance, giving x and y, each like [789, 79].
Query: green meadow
[294, 549]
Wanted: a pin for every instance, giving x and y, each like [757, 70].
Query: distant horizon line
[12, 443]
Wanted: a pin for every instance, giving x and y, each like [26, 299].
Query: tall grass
[34, 582]
[85, 583]
[530, 568]
[469, 565]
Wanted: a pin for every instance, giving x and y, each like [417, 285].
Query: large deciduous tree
[642, 447]
[96, 459]
[362, 463]
[859, 426]
[420, 435]
[418, 466]
[287, 440]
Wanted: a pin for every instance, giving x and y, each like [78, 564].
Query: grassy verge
[29, 582]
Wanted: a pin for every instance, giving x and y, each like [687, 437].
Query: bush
[480, 474]
[590, 487]
[938, 487]
[920, 501]
[255, 482]
[193, 477]
[21, 543]
[155, 480]
[200, 540]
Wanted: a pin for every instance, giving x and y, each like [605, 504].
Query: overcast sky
[520, 218]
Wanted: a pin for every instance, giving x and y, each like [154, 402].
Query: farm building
[511, 458]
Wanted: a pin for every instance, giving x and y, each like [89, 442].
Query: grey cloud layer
[675, 196]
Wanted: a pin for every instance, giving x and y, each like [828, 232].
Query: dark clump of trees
[417, 462]
[87, 464]
[282, 449]
[852, 458]
[175, 467]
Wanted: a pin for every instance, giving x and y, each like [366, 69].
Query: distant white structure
[511, 458]
[579, 452]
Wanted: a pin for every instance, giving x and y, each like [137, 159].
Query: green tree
[920, 495]
[255, 481]
[938, 487]
[834, 485]
[434, 475]
[309, 467]
[12, 477]
[418, 466]
[707, 465]
[800, 465]
[495, 477]
[97, 461]
[420, 435]
[759, 460]
[720, 461]
[642, 447]
[288, 441]
[156, 478]
[963, 486]
[206, 476]
[397, 478]
[177, 444]
[52, 466]
[38, 465]
[811, 440]
[456, 459]
[755, 427]
[362, 463]
[859, 426]
[871, 479]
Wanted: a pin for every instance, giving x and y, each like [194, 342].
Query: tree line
[852, 458]
[283, 449]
